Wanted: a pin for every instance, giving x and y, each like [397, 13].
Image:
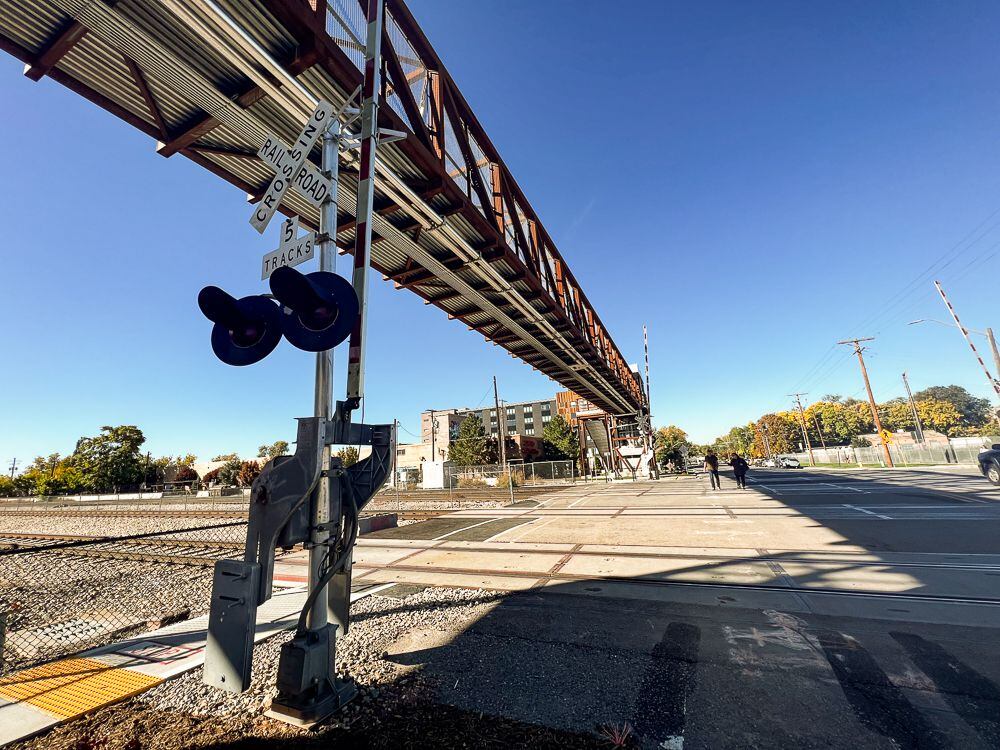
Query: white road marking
[464, 528]
[533, 527]
[504, 531]
[870, 513]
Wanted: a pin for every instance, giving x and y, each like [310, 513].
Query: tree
[229, 471]
[277, 448]
[7, 486]
[51, 475]
[469, 448]
[110, 462]
[669, 443]
[348, 455]
[781, 431]
[154, 470]
[492, 453]
[212, 476]
[226, 457]
[185, 474]
[974, 411]
[941, 415]
[839, 420]
[896, 415]
[559, 440]
[740, 439]
[249, 471]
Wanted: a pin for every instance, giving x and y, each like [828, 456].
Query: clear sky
[753, 180]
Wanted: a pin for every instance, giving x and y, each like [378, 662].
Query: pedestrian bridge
[210, 79]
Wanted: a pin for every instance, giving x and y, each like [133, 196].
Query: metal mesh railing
[72, 586]
[918, 454]
[520, 474]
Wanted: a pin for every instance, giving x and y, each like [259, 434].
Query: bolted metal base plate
[307, 712]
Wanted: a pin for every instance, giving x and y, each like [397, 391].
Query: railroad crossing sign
[290, 167]
[292, 249]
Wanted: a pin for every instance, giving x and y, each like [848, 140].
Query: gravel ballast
[397, 706]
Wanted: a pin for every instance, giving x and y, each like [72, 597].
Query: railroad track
[186, 551]
[418, 514]
[148, 548]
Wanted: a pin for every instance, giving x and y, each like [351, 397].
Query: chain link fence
[917, 454]
[535, 474]
[72, 580]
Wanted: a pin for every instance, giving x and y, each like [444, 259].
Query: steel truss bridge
[209, 79]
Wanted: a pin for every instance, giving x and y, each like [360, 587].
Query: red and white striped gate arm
[993, 381]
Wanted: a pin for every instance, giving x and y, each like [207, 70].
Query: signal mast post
[308, 498]
[319, 615]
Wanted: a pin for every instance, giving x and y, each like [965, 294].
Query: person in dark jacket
[712, 467]
[740, 469]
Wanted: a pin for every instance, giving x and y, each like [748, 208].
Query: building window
[527, 408]
[546, 418]
[546, 408]
[529, 430]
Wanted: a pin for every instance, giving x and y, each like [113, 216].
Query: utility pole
[913, 410]
[501, 437]
[965, 333]
[819, 431]
[765, 433]
[648, 437]
[433, 431]
[13, 468]
[805, 431]
[871, 399]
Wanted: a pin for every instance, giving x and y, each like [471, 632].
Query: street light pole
[996, 353]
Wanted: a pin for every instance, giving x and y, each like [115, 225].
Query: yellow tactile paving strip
[72, 687]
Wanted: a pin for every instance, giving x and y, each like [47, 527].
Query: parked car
[989, 464]
[787, 462]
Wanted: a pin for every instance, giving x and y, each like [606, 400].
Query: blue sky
[753, 180]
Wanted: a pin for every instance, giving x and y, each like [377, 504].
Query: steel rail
[799, 556]
[647, 582]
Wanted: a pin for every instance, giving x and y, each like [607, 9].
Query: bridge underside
[209, 79]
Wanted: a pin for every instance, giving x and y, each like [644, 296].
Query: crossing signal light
[246, 329]
[321, 308]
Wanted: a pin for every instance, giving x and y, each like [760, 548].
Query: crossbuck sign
[293, 168]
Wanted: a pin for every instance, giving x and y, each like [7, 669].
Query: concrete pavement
[815, 609]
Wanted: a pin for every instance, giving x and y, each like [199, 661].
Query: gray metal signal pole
[913, 410]
[321, 613]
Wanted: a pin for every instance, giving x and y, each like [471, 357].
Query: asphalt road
[816, 609]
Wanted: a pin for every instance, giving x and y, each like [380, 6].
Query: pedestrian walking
[711, 465]
[740, 469]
